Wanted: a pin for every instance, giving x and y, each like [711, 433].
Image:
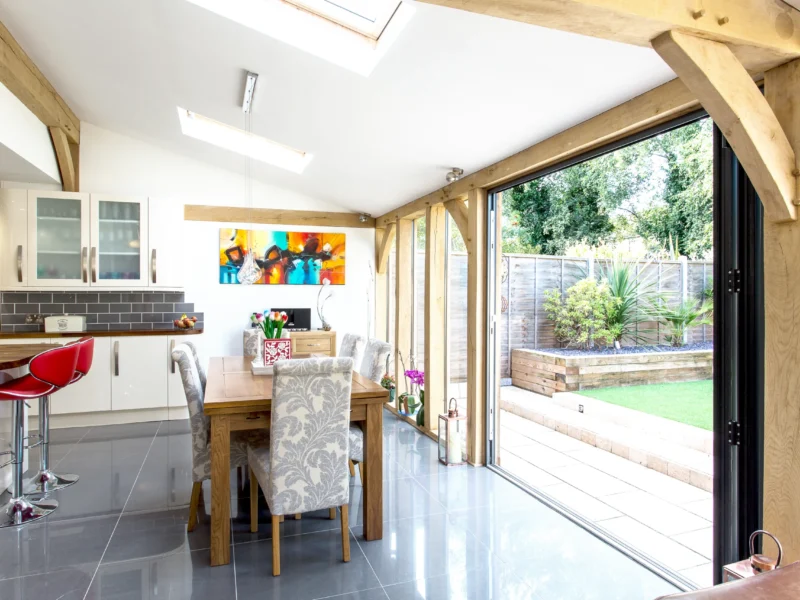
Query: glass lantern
[452, 436]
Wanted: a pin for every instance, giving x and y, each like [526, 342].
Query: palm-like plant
[630, 290]
[680, 318]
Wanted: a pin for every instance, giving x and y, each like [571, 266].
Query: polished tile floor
[460, 533]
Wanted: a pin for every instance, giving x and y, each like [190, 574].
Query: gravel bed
[627, 349]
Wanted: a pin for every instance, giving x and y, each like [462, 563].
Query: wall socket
[34, 319]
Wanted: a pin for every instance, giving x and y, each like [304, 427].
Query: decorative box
[273, 351]
[65, 324]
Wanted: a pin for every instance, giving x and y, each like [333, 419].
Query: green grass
[690, 402]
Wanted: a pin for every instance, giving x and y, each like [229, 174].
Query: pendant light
[250, 272]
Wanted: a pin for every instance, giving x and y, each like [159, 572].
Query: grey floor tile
[311, 567]
[422, 547]
[402, 499]
[157, 533]
[373, 594]
[67, 584]
[495, 583]
[183, 575]
[52, 546]
[308, 523]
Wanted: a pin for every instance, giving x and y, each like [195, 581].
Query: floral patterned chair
[353, 347]
[201, 370]
[183, 355]
[372, 367]
[303, 467]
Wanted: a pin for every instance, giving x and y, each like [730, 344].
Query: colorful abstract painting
[283, 257]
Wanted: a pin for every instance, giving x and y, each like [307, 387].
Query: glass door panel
[118, 229]
[58, 229]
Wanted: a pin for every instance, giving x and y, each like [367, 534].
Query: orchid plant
[271, 323]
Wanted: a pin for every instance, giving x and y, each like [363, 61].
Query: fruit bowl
[185, 322]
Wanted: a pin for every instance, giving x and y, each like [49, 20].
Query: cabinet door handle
[116, 359]
[85, 264]
[153, 266]
[19, 263]
[171, 348]
[94, 264]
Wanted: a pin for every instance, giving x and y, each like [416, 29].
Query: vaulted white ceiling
[455, 89]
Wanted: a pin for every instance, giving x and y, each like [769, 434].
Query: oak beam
[383, 245]
[20, 75]
[458, 210]
[381, 295]
[763, 33]
[782, 339]
[435, 315]
[723, 86]
[664, 103]
[275, 216]
[404, 299]
[476, 327]
[64, 158]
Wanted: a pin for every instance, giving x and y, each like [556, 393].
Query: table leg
[220, 490]
[373, 477]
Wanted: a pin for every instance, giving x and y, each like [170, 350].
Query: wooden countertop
[72, 334]
[19, 355]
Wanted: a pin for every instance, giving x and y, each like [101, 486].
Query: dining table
[236, 400]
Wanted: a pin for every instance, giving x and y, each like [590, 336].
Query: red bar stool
[45, 480]
[49, 371]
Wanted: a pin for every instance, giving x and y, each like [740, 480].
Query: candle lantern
[452, 436]
[756, 564]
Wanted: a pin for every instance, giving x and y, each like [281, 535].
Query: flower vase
[276, 349]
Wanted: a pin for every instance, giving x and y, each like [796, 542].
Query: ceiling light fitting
[362, 218]
[454, 175]
[249, 90]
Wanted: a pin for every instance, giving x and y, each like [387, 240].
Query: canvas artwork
[282, 257]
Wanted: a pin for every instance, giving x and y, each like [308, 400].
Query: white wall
[113, 163]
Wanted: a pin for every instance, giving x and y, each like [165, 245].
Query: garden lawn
[689, 402]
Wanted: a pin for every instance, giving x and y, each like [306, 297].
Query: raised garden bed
[546, 372]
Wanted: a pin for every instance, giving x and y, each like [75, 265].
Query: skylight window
[242, 142]
[354, 34]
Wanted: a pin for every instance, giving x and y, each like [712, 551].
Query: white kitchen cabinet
[165, 234]
[93, 392]
[176, 395]
[14, 238]
[118, 255]
[58, 239]
[139, 372]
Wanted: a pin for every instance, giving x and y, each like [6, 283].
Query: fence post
[535, 303]
[684, 262]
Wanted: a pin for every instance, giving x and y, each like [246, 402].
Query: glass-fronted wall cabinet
[117, 256]
[58, 238]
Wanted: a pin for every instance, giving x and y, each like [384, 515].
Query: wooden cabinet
[139, 370]
[313, 342]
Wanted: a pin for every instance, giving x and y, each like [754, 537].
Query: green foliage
[581, 319]
[681, 317]
[630, 291]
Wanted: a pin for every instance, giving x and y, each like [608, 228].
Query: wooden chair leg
[298, 516]
[197, 489]
[276, 546]
[345, 533]
[352, 468]
[332, 514]
[361, 473]
[253, 503]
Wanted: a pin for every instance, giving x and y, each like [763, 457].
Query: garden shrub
[581, 319]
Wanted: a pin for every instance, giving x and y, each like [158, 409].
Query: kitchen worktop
[128, 333]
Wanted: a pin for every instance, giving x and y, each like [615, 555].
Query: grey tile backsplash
[104, 311]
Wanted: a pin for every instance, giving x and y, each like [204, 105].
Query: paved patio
[667, 519]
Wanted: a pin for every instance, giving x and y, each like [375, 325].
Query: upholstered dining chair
[353, 347]
[372, 367]
[201, 449]
[201, 370]
[303, 466]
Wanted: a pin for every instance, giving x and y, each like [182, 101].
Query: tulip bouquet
[270, 323]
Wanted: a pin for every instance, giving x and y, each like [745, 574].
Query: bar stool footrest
[46, 481]
[21, 511]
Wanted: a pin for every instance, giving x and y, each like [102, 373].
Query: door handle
[85, 264]
[19, 263]
[153, 266]
[94, 264]
[116, 359]
[171, 348]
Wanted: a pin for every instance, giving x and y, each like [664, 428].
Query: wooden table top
[19, 355]
[231, 384]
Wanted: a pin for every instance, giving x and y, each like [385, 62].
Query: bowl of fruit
[185, 322]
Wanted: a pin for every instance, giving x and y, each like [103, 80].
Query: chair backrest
[195, 396]
[353, 347]
[309, 442]
[201, 370]
[55, 366]
[85, 355]
[374, 364]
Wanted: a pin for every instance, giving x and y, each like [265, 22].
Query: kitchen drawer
[321, 345]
